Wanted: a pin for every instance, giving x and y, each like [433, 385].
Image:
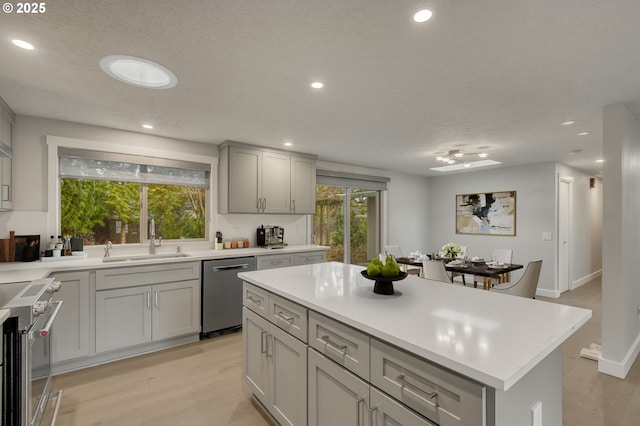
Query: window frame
[54, 143]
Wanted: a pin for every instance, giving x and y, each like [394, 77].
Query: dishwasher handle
[230, 267]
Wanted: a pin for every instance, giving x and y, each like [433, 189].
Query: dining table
[488, 271]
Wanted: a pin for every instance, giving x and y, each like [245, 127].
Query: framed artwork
[486, 213]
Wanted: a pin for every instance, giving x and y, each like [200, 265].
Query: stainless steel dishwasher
[222, 294]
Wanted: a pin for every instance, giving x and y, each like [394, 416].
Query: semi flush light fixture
[138, 72]
[455, 156]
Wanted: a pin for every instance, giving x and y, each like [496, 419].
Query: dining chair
[498, 255]
[527, 284]
[435, 270]
[396, 252]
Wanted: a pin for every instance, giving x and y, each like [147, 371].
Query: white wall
[621, 241]
[536, 206]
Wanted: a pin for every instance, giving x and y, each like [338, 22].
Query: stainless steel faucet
[107, 249]
[152, 237]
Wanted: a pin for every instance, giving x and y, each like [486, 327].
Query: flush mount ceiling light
[455, 156]
[465, 165]
[138, 72]
[422, 15]
[23, 44]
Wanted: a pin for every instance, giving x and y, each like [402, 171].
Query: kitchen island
[505, 351]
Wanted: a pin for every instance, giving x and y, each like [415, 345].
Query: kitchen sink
[144, 257]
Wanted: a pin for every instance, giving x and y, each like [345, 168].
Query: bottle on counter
[52, 242]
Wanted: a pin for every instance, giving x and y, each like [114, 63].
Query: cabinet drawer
[275, 261]
[436, 393]
[255, 299]
[310, 257]
[133, 276]
[289, 316]
[343, 344]
[385, 411]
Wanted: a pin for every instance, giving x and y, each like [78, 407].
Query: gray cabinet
[274, 368]
[137, 305]
[72, 336]
[281, 260]
[7, 119]
[256, 180]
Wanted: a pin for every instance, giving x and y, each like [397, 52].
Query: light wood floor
[200, 384]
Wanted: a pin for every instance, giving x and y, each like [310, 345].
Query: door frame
[565, 180]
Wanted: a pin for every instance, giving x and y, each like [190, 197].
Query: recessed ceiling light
[483, 155]
[317, 85]
[138, 72]
[288, 143]
[458, 154]
[422, 15]
[147, 126]
[23, 44]
[600, 161]
[568, 123]
[583, 133]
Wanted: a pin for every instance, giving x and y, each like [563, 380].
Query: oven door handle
[44, 331]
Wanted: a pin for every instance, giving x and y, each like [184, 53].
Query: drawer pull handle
[267, 354]
[254, 301]
[338, 348]
[284, 317]
[404, 383]
[358, 402]
[263, 349]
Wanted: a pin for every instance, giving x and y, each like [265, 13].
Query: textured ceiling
[501, 74]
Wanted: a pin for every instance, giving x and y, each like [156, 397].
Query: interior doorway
[565, 206]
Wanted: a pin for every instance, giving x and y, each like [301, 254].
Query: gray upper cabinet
[257, 180]
[7, 119]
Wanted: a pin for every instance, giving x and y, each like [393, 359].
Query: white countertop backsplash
[492, 338]
[14, 272]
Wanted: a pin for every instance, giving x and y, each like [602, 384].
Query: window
[112, 197]
[348, 210]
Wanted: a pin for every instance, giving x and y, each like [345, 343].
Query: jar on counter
[234, 244]
[245, 243]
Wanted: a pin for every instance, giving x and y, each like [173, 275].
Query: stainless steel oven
[27, 398]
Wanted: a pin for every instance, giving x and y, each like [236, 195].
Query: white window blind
[85, 164]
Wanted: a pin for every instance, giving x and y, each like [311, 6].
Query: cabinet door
[276, 182]
[306, 258]
[274, 261]
[245, 184]
[255, 365]
[303, 185]
[336, 397]
[123, 318]
[385, 411]
[288, 377]
[176, 309]
[72, 338]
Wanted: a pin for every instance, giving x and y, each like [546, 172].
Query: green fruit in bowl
[390, 268]
[373, 270]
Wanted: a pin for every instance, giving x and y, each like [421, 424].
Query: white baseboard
[547, 293]
[586, 279]
[620, 369]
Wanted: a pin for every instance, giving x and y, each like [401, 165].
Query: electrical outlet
[546, 236]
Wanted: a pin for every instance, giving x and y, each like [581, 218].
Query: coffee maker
[270, 236]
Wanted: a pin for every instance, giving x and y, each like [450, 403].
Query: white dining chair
[498, 255]
[527, 284]
[435, 270]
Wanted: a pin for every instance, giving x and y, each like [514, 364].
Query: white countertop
[492, 338]
[16, 272]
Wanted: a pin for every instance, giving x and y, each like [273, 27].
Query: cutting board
[8, 248]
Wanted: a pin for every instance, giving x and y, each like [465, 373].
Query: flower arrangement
[451, 250]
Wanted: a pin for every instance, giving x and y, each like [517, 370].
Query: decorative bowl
[384, 285]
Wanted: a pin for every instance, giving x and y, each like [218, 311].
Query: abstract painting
[486, 213]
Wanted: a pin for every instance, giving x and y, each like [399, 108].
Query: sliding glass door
[347, 220]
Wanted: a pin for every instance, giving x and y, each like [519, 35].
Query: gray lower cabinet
[274, 368]
[136, 315]
[72, 335]
[281, 260]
